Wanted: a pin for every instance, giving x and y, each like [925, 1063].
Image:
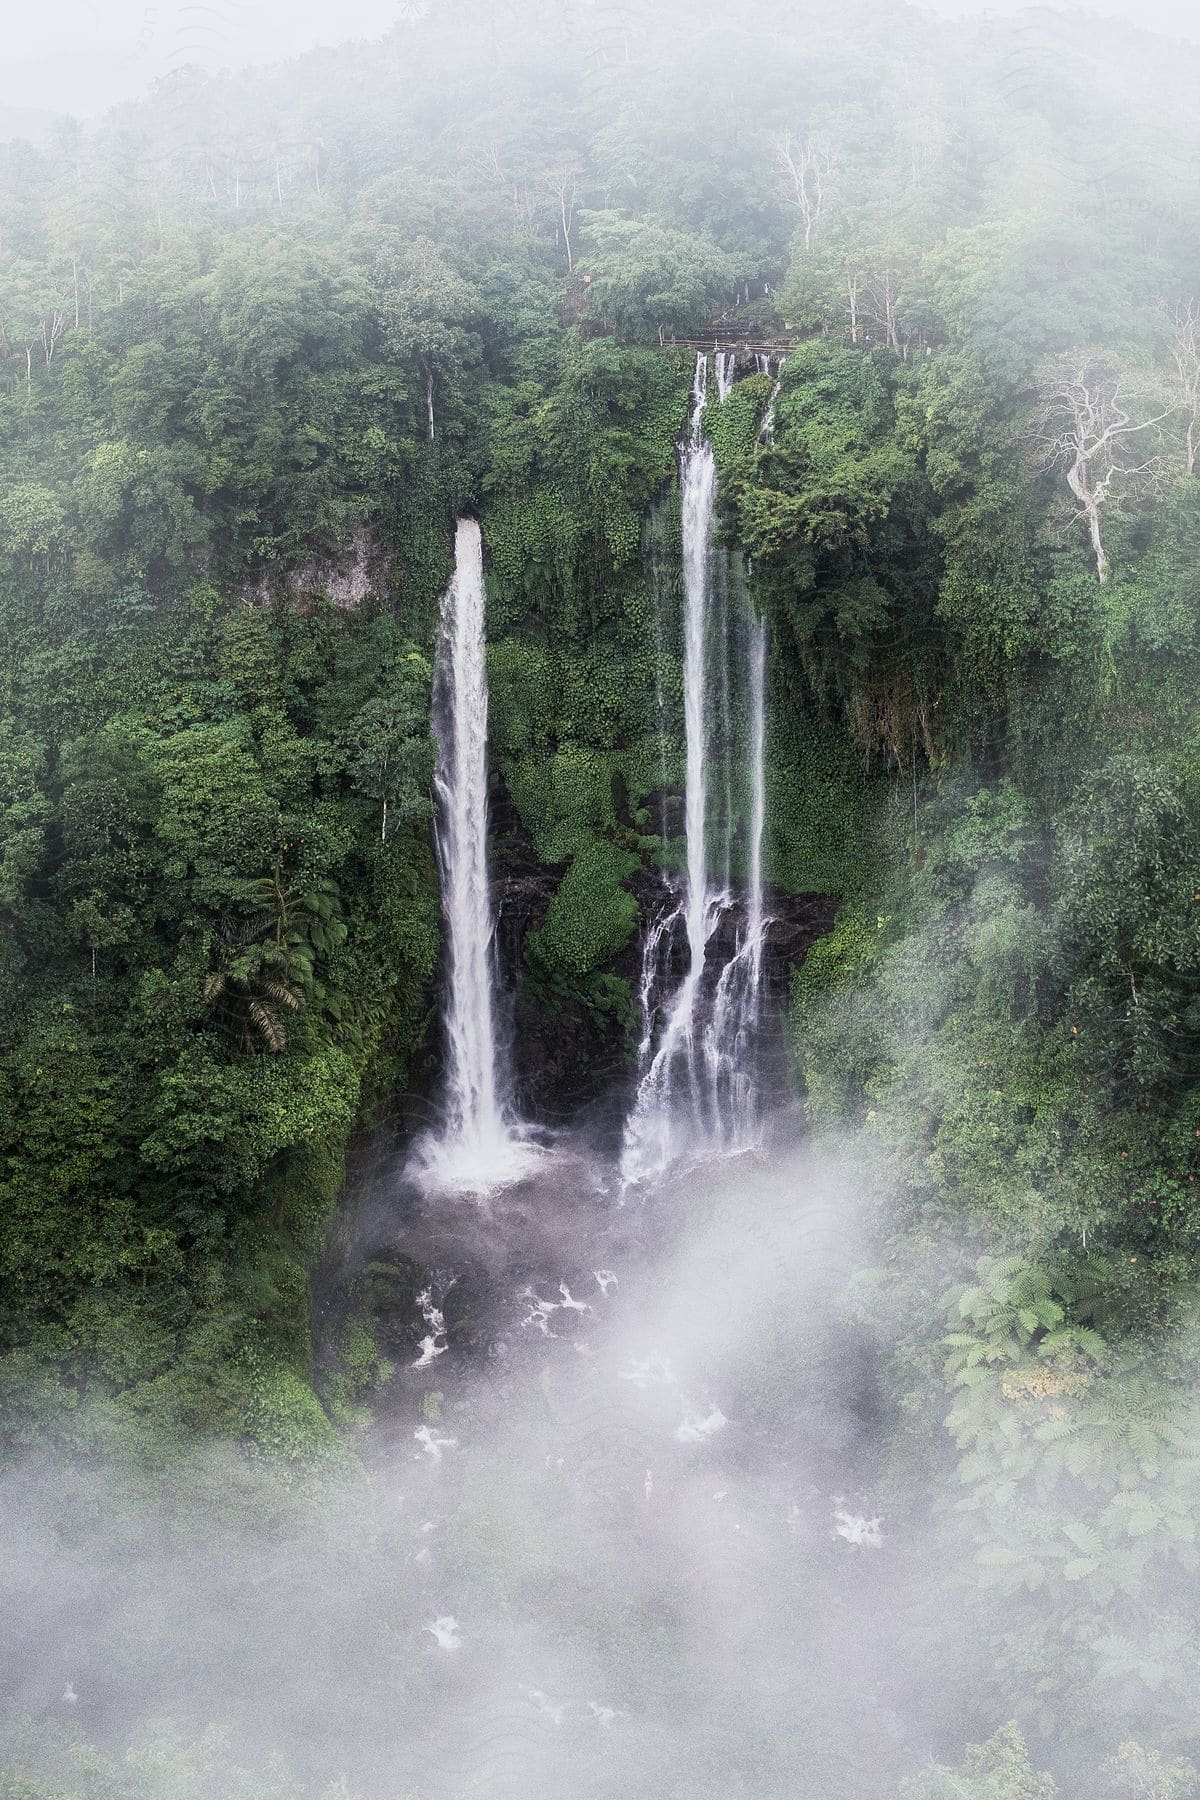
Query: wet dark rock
[571, 1047]
[568, 1051]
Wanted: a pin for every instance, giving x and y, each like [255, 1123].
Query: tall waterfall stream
[479, 1146]
[474, 1115]
[698, 1091]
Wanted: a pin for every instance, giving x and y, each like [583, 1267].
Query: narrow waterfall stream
[766, 430]
[697, 1089]
[479, 1147]
[461, 707]
[730, 1036]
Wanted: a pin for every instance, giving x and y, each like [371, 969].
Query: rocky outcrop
[360, 572]
[572, 1050]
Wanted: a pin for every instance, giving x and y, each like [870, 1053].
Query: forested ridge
[262, 339]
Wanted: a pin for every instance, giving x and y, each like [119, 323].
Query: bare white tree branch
[1186, 351]
[806, 165]
[1084, 428]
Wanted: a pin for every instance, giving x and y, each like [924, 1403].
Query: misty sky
[80, 56]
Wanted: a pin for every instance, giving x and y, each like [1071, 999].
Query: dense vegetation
[263, 339]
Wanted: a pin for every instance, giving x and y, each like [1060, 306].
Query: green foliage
[646, 275]
[1133, 1770]
[288, 1424]
[997, 1770]
[591, 916]
[733, 427]
[818, 800]
[574, 460]
[831, 1004]
[217, 946]
[359, 1372]
[44, 1762]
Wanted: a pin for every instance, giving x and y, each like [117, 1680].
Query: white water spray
[756, 921]
[697, 1091]
[732, 1031]
[767, 429]
[478, 1149]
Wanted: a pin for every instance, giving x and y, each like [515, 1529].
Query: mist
[599, 952]
[628, 1528]
[79, 58]
[634, 1513]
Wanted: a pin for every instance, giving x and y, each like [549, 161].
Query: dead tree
[50, 328]
[806, 166]
[559, 186]
[1186, 350]
[880, 300]
[1084, 428]
[566, 191]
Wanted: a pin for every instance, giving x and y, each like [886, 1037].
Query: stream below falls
[619, 1523]
[624, 1475]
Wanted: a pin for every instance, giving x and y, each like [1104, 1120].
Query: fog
[623, 1528]
[637, 1510]
[629, 1523]
[83, 56]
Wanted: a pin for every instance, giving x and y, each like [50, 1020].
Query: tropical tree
[426, 311]
[644, 275]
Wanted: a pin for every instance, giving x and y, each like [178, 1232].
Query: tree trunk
[429, 396]
[1078, 480]
[562, 203]
[1098, 544]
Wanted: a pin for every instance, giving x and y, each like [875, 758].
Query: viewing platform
[746, 336]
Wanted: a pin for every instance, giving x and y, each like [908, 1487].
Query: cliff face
[572, 1048]
[360, 571]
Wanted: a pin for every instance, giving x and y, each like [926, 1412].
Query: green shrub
[591, 916]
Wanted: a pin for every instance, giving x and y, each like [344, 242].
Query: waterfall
[697, 1088]
[731, 1035]
[726, 363]
[473, 1113]
[755, 918]
[698, 484]
[478, 1148]
[767, 428]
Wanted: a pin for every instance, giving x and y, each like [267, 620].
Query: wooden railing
[738, 334]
